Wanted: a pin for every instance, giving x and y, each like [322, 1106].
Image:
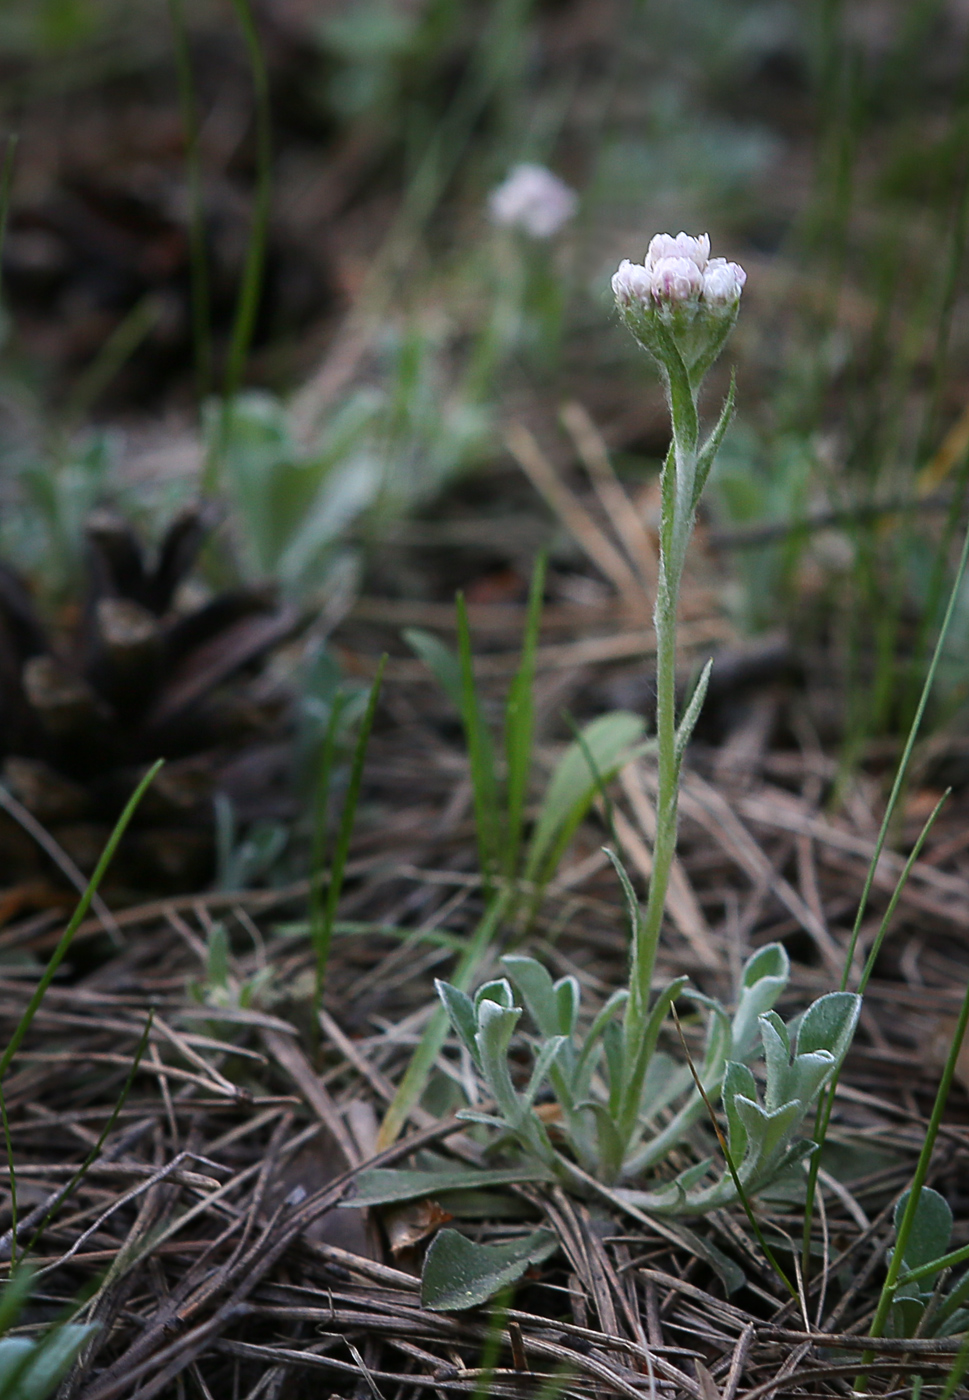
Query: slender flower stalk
[681, 305]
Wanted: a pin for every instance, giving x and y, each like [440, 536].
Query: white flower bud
[675, 280]
[532, 200]
[722, 282]
[664, 245]
[632, 283]
[680, 297]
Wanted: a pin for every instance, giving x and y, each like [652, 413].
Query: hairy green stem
[679, 473]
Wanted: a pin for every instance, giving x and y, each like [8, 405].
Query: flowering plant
[620, 1104]
[611, 1082]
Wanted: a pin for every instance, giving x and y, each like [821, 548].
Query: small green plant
[587, 1075]
[384, 449]
[221, 989]
[291, 506]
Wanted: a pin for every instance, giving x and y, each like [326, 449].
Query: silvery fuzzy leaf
[719, 1036]
[603, 1018]
[767, 1132]
[497, 993]
[904, 1316]
[537, 991]
[665, 1081]
[692, 1176]
[764, 977]
[666, 1201]
[829, 1024]
[460, 1010]
[797, 1152]
[931, 1229]
[391, 1185]
[738, 1080]
[459, 1273]
[543, 1063]
[488, 1120]
[772, 1019]
[613, 1045]
[654, 1023]
[809, 1073]
[496, 1025]
[567, 1000]
[691, 714]
[609, 1142]
[777, 1060]
[33, 1377]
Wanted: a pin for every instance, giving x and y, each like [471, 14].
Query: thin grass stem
[77, 918]
[318, 849]
[6, 184]
[8, 1145]
[918, 1181]
[200, 294]
[959, 1367]
[826, 1103]
[520, 726]
[95, 1151]
[250, 289]
[252, 276]
[481, 759]
[344, 834]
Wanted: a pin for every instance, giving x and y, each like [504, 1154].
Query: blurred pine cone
[130, 675]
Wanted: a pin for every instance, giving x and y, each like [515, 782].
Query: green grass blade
[250, 289]
[200, 295]
[345, 831]
[436, 1031]
[321, 796]
[439, 660]
[826, 1104]
[935, 1266]
[252, 276]
[14, 1293]
[918, 1181]
[95, 1151]
[67, 937]
[905, 760]
[6, 181]
[481, 754]
[959, 1367]
[11, 1168]
[112, 357]
[520, 725]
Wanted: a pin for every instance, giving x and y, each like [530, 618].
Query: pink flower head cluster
[533, 200]
[676, 270]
